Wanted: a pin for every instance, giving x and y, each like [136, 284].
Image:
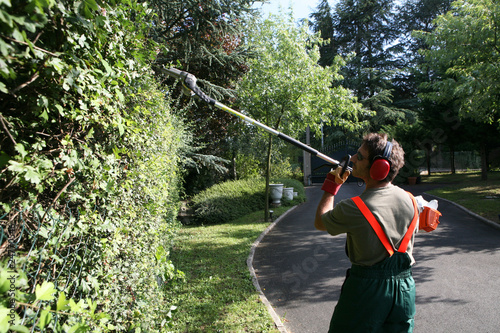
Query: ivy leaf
[6, 18]
[45, 291]
[45, 319]
[4, 283]
[4, 322]
[44, 232]
[20, 149]
[82, 40]
[6, 3]
[92, 4]
[32, 175]
[60, 109]
[57, 64]
[62, 303]
[3, 87]
[108, 68]
[86, 6]
[160, 254]
[44, 115]
[77, 307]
[19, 328]
[16, 166]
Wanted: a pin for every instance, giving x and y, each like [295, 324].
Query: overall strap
[413, 225]
[380, 232]
[374, 223]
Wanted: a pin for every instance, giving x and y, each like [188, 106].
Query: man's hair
[375, 143]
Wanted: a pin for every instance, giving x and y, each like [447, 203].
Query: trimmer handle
[344, 163]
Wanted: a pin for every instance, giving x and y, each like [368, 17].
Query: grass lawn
[218, 294]
[468, 190]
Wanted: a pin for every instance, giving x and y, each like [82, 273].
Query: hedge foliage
[90, 153]
[230, 200]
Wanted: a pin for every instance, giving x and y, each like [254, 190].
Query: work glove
[334, 180]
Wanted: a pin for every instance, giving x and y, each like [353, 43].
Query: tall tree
[414, 15]
[286, 88]
[363, 29]
[322, 24]
[205, 39]
[465, 44]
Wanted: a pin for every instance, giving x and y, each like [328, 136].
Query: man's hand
[340, 179]
[334, 179]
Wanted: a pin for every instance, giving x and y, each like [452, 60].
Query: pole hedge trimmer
[190, 88]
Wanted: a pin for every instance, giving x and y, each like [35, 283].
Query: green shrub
[230, 200]
[281, 167]
[248, 166]
[227, 201]
[90, 163]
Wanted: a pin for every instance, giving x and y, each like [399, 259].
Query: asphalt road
[457, 271]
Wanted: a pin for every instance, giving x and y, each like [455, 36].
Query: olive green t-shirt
[391, 206]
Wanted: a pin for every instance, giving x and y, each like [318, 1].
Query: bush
[227, 201]
[90, 165]
[248, 166]
[230, 200]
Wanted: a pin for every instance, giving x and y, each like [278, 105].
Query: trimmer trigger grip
[345, 164]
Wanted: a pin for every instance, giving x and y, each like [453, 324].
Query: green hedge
[90, 167]
[230, 200]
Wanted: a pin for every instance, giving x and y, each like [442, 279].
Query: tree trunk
[484, 162]
[428, 158]
[268, 177]
[452, 159]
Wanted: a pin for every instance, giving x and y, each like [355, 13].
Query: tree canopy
[465, 49]
[286, 88]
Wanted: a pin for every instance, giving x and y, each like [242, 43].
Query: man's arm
[331, 186]
[325, 205]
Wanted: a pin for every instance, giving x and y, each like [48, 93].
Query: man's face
[361, 164]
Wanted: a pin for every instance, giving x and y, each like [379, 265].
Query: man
[378, 294]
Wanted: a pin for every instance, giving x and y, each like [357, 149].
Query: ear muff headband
[381, 165]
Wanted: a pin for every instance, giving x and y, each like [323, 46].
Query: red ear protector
[381, 165]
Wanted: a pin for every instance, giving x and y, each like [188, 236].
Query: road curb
[479, 217]
[263, 298]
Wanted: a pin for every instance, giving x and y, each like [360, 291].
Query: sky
[301, 8]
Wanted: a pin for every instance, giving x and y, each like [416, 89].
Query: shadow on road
[301, 270]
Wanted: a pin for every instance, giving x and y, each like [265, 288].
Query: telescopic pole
[189, 82]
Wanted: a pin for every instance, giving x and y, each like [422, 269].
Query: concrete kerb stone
[479, 217]
[263, 298]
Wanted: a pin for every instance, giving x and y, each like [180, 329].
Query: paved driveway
[457, 273]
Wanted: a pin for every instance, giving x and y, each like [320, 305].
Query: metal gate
[337, 151]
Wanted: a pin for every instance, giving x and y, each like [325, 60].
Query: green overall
[378, 298]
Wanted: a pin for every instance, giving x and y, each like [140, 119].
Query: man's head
[373, 146]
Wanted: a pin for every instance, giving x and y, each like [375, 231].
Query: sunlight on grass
[467, 189]
[218, 294]
[459, 177]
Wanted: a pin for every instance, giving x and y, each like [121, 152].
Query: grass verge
[468, 190]
[218, 294]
